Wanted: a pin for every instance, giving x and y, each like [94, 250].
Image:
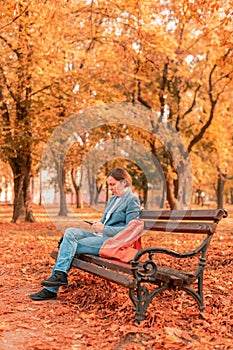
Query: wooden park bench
[144, 276]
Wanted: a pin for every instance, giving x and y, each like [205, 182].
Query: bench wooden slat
[104, 273]
[192, 215]
[178, 278]
[115, 265]
[182, 227]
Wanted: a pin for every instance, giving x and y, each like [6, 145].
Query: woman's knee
[68, 234]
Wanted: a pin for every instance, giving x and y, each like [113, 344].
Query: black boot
[44, 294]
[58, 279]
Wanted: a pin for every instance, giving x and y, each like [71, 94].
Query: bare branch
[17, 17]
[38, 91]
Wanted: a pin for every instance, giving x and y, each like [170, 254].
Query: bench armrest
[156, 250]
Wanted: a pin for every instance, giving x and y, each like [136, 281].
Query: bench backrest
[183, 221]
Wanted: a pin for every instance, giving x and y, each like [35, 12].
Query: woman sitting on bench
[122, 207]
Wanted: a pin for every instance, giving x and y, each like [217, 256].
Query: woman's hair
[121, 174]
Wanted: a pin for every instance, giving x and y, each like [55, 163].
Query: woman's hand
[98, 227]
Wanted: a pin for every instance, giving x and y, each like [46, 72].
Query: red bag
[125, 244]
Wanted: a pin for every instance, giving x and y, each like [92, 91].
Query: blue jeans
[75, 241]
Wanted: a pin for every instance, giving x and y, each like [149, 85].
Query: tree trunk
[98, 190]
[231, 194]
[220, 188]
[170, 195]
[91, 182]
[22, 210]
[79, 199]
[145, 196]
[61, 182]
[77, 188]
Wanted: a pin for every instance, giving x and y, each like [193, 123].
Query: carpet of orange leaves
[92, 313]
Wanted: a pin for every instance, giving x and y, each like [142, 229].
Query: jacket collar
[122, 199]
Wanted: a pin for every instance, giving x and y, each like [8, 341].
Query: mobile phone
[88, 222]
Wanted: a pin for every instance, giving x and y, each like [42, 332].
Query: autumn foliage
[60, 57]
[93, 313]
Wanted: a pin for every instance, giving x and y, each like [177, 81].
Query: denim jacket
[127, 209]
